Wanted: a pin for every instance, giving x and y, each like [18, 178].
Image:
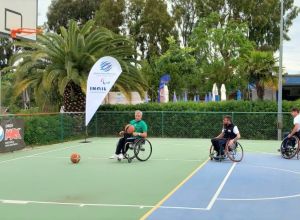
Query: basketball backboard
[16, 14]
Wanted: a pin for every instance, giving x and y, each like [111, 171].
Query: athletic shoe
[120, 157]
[115, 156]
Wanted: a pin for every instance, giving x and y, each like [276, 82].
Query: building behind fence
[58, 127]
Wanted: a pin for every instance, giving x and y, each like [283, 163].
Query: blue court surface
[262, 186]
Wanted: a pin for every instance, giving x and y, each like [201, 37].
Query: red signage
[13, 134]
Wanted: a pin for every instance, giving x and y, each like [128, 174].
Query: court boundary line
[260, 199]
[261, 152]
[106, 158]
[219, 190]
[266, 198]
[41, 153]
[274, 168]
[140, 206]
[157, 205]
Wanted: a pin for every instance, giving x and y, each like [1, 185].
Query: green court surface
[42, 183]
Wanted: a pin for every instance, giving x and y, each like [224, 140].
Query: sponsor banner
[11, 135]
[102, 77]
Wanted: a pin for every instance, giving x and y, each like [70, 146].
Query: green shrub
[228, 106]
[180, 120]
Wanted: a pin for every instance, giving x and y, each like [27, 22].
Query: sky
[291, 49]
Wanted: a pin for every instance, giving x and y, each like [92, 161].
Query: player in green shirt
[140, 131]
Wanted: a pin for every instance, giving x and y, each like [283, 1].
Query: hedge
[228, 106]
[182, 119]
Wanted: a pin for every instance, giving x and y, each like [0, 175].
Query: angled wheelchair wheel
[212, 152]
[234, 153]
[129, 152]
[142, 149]
[290, 147]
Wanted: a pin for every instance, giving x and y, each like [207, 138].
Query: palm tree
[57, 65]
[259, 68]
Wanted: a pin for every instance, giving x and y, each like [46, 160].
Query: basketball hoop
[24, 31]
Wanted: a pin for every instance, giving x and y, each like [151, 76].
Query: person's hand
[121, 133]
[231, 142]
[289, 136]
[136, 134]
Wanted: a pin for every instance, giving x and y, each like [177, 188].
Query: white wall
[119, 98]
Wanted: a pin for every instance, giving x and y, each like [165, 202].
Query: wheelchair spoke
[143, 150]
[289, 147]
[235, 153]
[129, 151]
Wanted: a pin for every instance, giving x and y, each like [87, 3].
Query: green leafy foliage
[111, 15]
[60, 12]
[58, 64]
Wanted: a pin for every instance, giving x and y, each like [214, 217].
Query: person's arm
[220, 135]
[295, 129]
[143, 135]
[238, 136]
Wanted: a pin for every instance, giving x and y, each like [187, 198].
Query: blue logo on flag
[105, 66]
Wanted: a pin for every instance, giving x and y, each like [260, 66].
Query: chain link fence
[252, 125]
[58, 127]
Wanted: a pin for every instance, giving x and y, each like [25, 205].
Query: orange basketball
[129, 129]
[75, 158]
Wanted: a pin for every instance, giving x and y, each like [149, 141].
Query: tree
[263, 19]
[185, 16]
[205, 7]
[61, 11]
[111, 14]
[134, 23]
[261, 16]
[5, 51]
[259, 67]
[150, 25]
[219, 49]
[180, 64]
[57, 66]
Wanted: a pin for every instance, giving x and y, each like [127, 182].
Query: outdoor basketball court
[177, 182]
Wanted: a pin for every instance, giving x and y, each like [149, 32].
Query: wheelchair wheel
[129, 151]
[235, 153]
[142, 149]
[289, 147]
[212, 152]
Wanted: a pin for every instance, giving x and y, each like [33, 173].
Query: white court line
[261, 152]
[273, 168]
[260, 199]
[24, 202]
[214, 198]
[106, 158]
[37, 154]
[182, 207]
[265, 198]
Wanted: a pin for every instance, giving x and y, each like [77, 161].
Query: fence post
[61, 126]
[162, 123]
[96, 124]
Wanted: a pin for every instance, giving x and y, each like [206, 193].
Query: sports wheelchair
[139, 148]
[290, 147]
[235, 153]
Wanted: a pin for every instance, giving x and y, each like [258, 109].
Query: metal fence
[57, 127]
